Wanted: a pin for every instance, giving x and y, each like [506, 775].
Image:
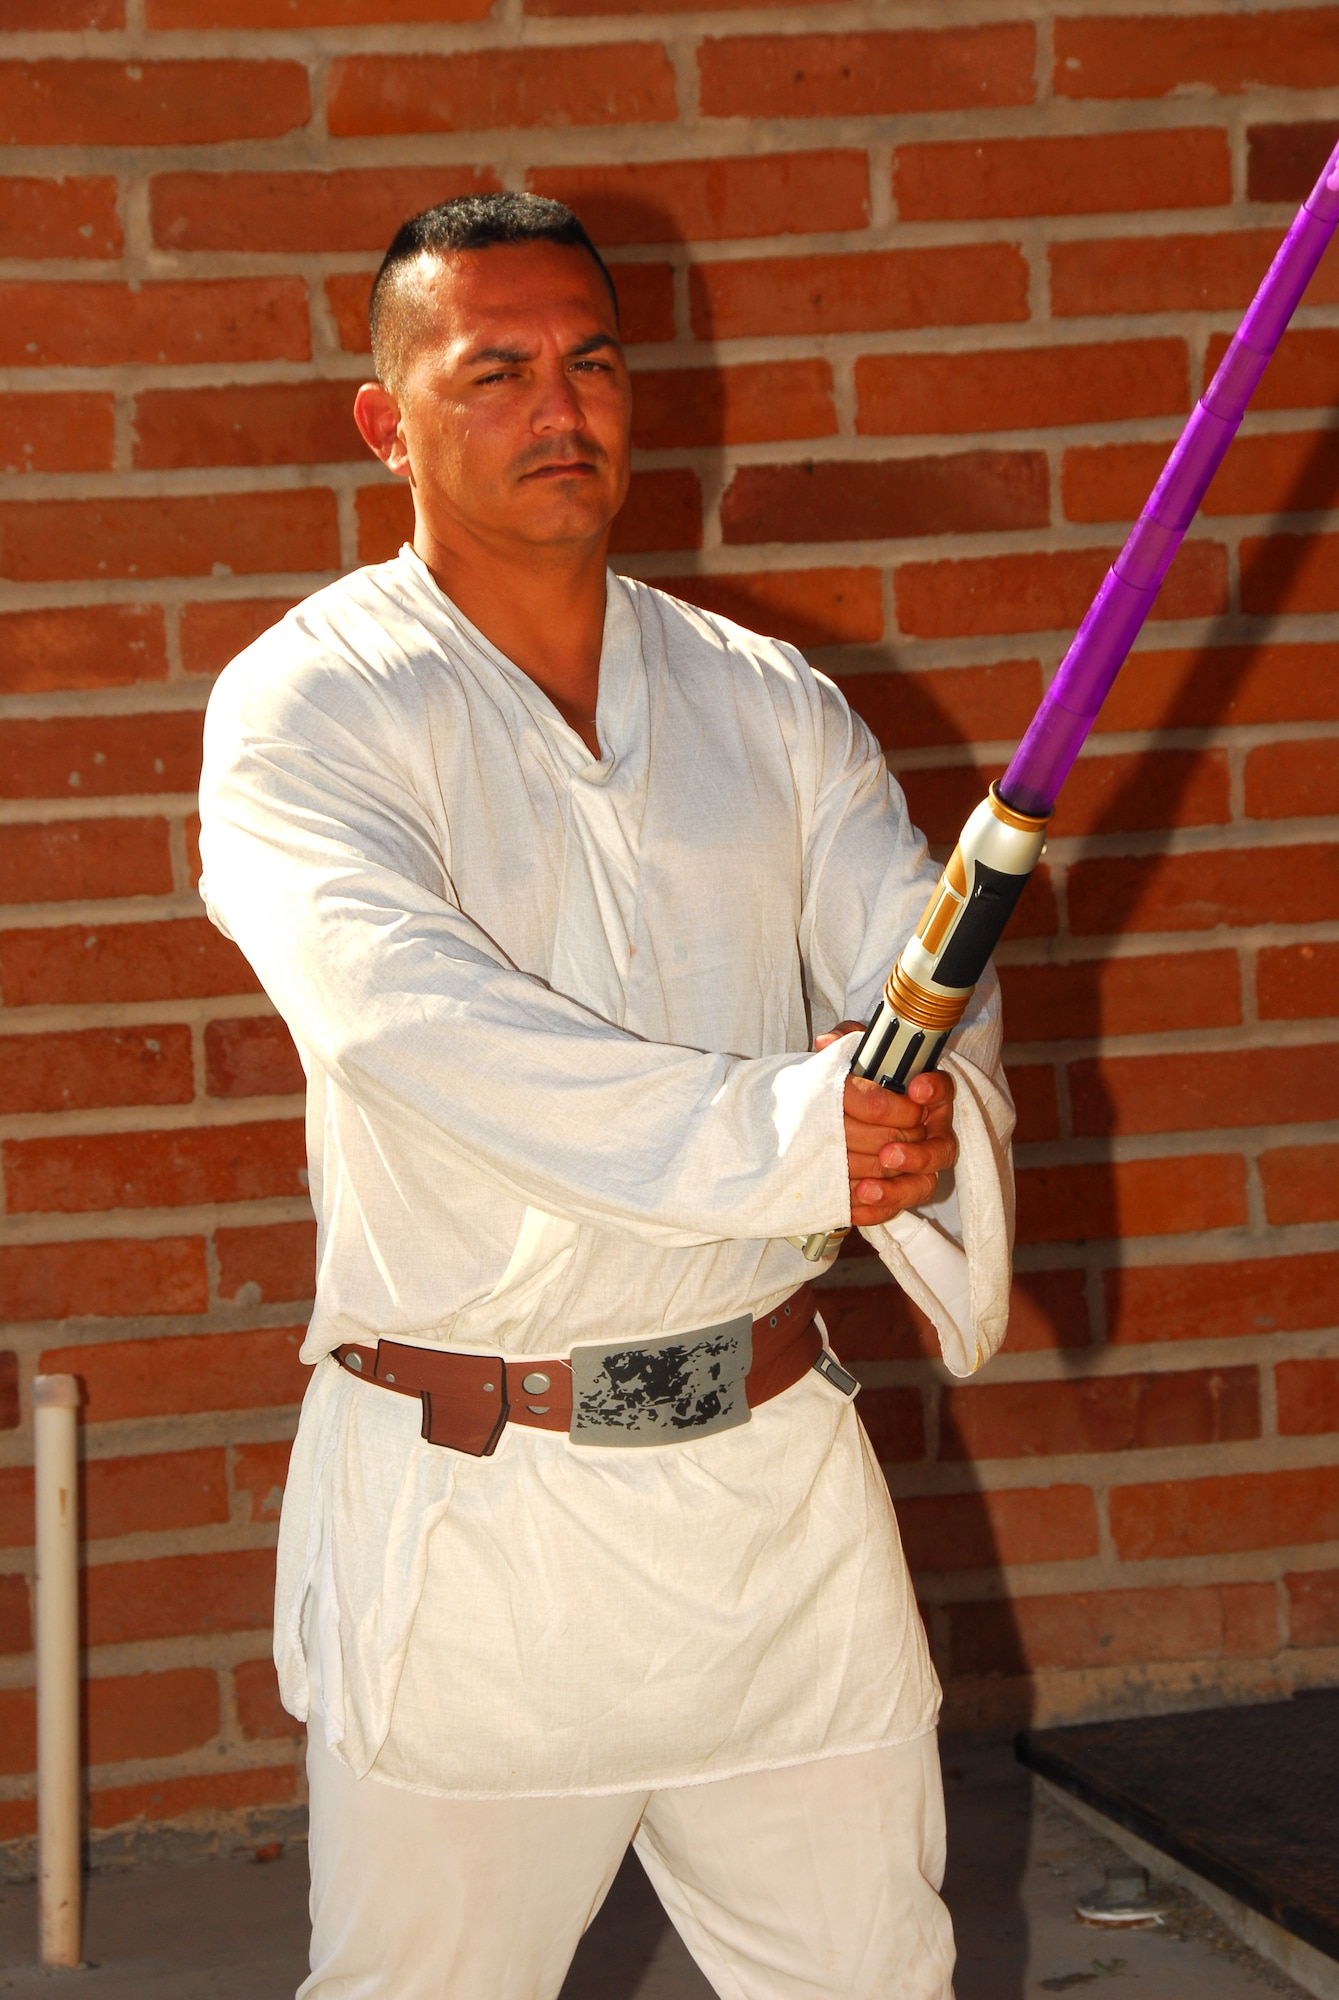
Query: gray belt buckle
[663, 1391]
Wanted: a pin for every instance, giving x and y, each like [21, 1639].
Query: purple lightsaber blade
[1069, 707]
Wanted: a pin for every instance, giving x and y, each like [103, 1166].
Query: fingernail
[893, 1156]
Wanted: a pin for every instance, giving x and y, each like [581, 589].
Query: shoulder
[700, 639]
[347, 654]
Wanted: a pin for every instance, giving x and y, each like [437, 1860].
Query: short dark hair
[470, 222]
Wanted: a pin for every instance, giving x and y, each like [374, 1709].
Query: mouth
[563, 468]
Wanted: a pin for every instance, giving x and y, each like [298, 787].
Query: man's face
[515, 407]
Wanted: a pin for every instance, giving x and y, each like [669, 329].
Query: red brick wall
[917, 299]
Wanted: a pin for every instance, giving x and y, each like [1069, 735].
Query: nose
[557, 406]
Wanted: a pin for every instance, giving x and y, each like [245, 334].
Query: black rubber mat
[1247, 1797]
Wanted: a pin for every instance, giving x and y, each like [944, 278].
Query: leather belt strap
[468, 1399]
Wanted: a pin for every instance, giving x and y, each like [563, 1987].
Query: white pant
[817, 1882]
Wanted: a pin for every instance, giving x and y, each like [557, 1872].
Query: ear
[377, 415]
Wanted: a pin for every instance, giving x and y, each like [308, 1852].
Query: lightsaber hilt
[935, 976]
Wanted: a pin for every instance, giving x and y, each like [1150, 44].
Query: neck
[544, 611]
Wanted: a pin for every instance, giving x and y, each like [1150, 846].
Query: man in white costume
[569, 894]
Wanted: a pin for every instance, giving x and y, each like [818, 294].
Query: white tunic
[555, 1015]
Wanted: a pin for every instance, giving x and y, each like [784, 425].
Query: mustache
[539, 457]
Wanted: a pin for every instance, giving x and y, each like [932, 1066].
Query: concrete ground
[235, 1930]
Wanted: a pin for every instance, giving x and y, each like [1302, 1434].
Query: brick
[385, 520]
[1142, 55]
[1198, 1091]
[1304, 373]
[1112, 1628]
[16, 1506]
[149, 1715]
[754, 404]
[73, 1175]
[56, 433]
[1313, 1601]
[1084, 174]
[1035, 1102]
[253, 1056]
[260, 1713]
[972, 284]
[94, 1066]
[892, 1419]
[1301, 1184]
[1212, 686]
[645, 302]
[260, 423]
[805, 607]
[1121, 996]
[169, 535]
[1282, 573]
[101, 755]
[940, 800]
[86, 325]
[876, 1323]
[167, 1799]
[259, 1473]
[272, 1262]
[708, 201]
[182, 960]
[15, 1625]
[213, 634]
[1237, 1301]
[575, 7]
[663, 510]
[1297, 982]
[1291, 780]
[1122, 1198]
[51, 15]
[916, 709]
[184, 1374]
[627, 83]
[1199, 892]
[354, 208]
[18, 1818]
[307, 13]
[1154, 273]
[84, 859]
[1283, 162]
[11, 1416]
[1043, 592]
[1155, 788]
[1195, 1406]
[18, 1727]
[1019, 388]
[162, 1490]
[110, 1276]
[1308, 1397]
[951, 1531]
[70, 217]
[347, 295]
[864, 76]
[1047, 1309]
[228, 1590]
[970, 492]
[81, 646]
[1281, 473]
[1245, 1510]
[94, 103]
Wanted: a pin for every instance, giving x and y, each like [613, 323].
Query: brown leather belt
[468, 1399]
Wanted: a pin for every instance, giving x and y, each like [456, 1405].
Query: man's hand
[896, 1147]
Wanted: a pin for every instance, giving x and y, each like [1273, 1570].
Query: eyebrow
[515, 355]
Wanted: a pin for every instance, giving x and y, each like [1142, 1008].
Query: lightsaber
[936, 974]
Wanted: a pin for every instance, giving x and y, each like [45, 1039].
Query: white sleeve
[868, 880]
[324, 868]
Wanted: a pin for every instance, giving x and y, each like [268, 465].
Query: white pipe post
[55, 1407]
